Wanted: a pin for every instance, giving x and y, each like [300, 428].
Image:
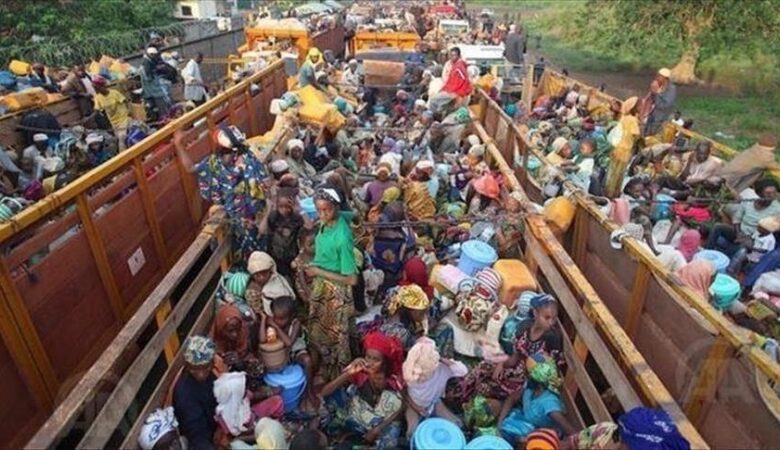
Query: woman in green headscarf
[307, 73]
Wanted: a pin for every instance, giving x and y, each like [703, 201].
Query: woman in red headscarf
[373, 396]
[416, 272]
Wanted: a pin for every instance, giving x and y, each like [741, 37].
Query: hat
[352, 61]
[770, 224]
[199, 350]
[152, 51]
[542, 439]
[487, 185]
[156, 426]
[628, 104]
[279, 166]
[664, 72]
[294, 143]
[40, 137]
[259, 262]
[94, 138]
[383, 167]
[559, 143]
[424, 164]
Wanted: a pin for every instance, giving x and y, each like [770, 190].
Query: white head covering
[421, 103]
[152, 51]
[477, 150]
[40, 137]
[292, 143]
[53, 164]
[559, 143]
[260, 262]
[473, 140]
[232, 403]
[157, 424]
[353, 61]
[424, 164]
[270, 435]
[94, 138]
[332, 194]
[279, 166]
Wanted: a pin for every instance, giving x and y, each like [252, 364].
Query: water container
[474, 256]
[663, 207]
[517, 278]
[436, 433]
[725, 290]
[292, 380]
[488, 442]
[308, 208]
[559, 214]
[718, 259]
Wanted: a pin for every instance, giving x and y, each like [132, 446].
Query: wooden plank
[636, 303]
[101, 258]
[579, 251]
[68, 411]
[151, 214]
[172, 344]
[109, 418]
[42, 237]
[577, 372]
[708, 379]
[201, 327]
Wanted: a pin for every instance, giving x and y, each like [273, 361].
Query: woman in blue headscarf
[650, 429]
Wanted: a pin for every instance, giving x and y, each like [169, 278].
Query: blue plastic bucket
[663, 207]
[475, 255]
[308, 207]
[292, 380]
[489, 442]
[725, 291]
[436, 434]
[718, 259]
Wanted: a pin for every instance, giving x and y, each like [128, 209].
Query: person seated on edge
[193, 394]
[748, 166]
[700, 167]
[761, 242]
[728, 238]
[636, 193]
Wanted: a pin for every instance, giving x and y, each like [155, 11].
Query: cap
[664, 72]
[40, 137]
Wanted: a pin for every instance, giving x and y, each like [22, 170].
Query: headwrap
[646, 428]
[40, 137]
[232, 402]
[424, 164]
[689, 244]
[477, 150]
[421, 361]
[543, 370]
[313, 52]
[279, 166]
[697, 275]
[260, 262]
[523, 303]
[473, 140]
[416, 272]
[420, 103]
[293, 143]
[391, 194]
[157, 424]
[199, 350]
[99, 81]
[487, 185]
[410, 296]
[330, 195]
[540, 301]
[770, 224]
[558, 144]
[597, 436]
[401, 93]
[542, 439]
[388, 142]
[390, 348]
[270, 435]
[225, 314]
[488, 282]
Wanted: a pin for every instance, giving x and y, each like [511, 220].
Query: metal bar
[101, 257]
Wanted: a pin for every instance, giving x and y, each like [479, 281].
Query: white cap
[40, 137]
[152, 51]
[53, 164]
[292, 143]
[664, 72]
[424, 164]
[94, 138]
[279, 166]
[473, 140]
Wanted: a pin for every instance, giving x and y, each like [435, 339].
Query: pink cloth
[689, 244]
[620, 213]
[698, 214]
[272, 407]
[697, 275]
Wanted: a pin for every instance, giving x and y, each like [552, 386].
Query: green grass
[740, 119]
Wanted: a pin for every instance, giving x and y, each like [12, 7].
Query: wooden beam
[187, 178]
[151, 214]
[110, 417]
[578, 373]
[102, 262]
[253, 125]
[579, 251]
[636, 303]
[708, 378]
[67, 412]
[528, 87]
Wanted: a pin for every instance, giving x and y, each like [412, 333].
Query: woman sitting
[233, 342]
[266, 283]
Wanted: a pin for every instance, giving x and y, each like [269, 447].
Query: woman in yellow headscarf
[407, 311]
[626, 134]
[307, 73]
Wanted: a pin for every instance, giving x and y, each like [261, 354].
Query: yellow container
[516, 278]
[559, 214]
[27, 98]
[19, 68]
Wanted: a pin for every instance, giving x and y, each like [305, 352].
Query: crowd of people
[349, 244]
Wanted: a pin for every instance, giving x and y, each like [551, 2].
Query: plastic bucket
[663, 207]
[308, 207]
[489, 442]
[718, 259]
[474, 256]
[725, 290]
[275, 355]
[436, 433]
[292, 380]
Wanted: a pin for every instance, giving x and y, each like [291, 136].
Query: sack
[473, 311]
[615, 135]
[7, 80]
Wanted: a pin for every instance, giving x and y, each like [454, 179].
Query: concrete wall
[216, 46]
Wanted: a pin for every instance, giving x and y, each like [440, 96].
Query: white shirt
[350, 78]
[765, 243]
[192, 89]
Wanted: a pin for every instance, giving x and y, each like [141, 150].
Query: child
[752, 249]
[304, 258]
[289, 330]
[372, 397]
[426, 376]
[541, 405]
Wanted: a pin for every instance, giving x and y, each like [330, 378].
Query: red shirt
[458, 82]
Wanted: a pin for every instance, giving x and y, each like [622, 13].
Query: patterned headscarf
[646, 428]
[596, 437]
[199, 350]
[540, 301]
[410, 296]
[543, 370]
[391, 194]
[157, 424]
[542, 439]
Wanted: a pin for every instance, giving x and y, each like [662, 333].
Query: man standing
[514, 46]
[350, 78]
[114, 104]
[153, 91]
[662, 98]
[194, 87]
[78, 85]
